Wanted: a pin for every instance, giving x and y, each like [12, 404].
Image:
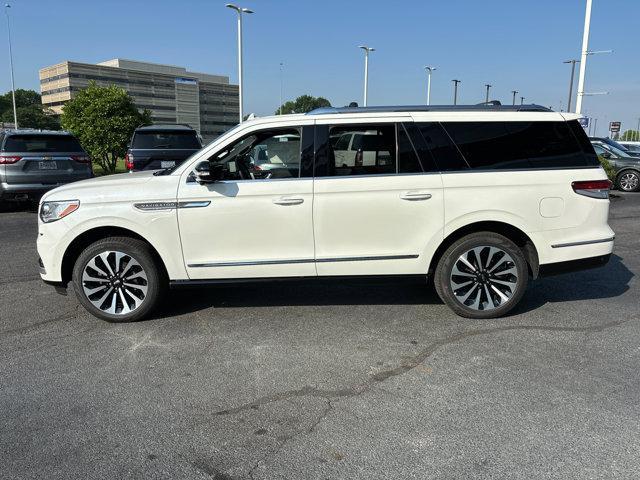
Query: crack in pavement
[405, 367]
[287, 439]
[35, 326]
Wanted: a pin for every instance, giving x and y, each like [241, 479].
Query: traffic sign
[614, 127]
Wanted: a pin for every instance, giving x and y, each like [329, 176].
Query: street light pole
[281, 82]
[486, 100]
[573, 71]
[367, 50]
[429, 70]
[240, 11]
[521, 100]
[455, 91]
[583, 58]
[515, 92]
[13, 86]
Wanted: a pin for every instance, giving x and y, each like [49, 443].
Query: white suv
[478, 198]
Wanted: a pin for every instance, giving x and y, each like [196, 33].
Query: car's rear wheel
[629, 181]
[118, 279]
[482, 275]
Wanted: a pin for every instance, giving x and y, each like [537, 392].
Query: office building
[208, 103]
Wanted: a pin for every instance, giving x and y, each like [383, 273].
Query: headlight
[52, 211]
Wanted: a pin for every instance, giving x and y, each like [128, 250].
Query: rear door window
[165, 140]
[42, 143]
[370, 151]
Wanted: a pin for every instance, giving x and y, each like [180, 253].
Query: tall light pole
[583, 58]
[595, 127]
[367, 50]
[515, 92]
[429, 70]
[240, 11]
[13, 86]
[521, 100]
[486, 99]
[455, 90]
[281, 82]
[573, 71]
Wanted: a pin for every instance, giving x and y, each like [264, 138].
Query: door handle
[288, 201]
[414, 196]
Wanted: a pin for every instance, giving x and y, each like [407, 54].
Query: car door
[254, 223]
[377, 216]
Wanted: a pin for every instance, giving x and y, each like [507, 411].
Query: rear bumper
[568, 266]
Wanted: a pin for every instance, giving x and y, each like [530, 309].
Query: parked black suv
[161, 146]
[35, 161]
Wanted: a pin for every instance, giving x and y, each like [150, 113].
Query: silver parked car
[35, 161]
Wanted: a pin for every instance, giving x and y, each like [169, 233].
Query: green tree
[103, 119]
[33, 116]
[608, 168]
[29, 109]
[303, 104]
[631, 136]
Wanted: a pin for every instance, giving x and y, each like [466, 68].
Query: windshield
[42, 143]
[163, 139]
[614, 144]
[616, 151]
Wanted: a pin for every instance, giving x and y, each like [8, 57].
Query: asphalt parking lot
[321, 380]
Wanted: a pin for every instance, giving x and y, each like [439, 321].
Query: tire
[118, 270]
[487, 292]
[628, 181]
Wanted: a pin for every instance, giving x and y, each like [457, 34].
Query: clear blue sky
[510, 44]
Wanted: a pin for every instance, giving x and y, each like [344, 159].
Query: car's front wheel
[629, 181]
[118, 279]
[482, 275]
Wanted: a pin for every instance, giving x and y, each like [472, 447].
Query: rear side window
[583, 140]
[517, 145]
[42, 143]
[168, 140]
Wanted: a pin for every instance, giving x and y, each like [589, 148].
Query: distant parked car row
[33, 162]
[625, 161]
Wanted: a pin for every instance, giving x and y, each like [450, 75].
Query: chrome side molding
[155, 206]
[301, 260]
[586, 242]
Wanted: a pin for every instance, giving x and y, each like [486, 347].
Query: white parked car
[479, 198]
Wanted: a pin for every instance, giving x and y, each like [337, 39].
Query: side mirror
[606, 155]
[209, 172]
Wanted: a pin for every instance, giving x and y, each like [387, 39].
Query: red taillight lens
[128, 161]
[9, 159]
[592, 188]
[81, 158]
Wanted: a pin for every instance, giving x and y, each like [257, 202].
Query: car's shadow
[609, 281]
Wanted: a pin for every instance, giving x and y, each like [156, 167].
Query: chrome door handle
[288, 201]
[415, 196]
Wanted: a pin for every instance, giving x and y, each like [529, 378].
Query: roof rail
[482, 107]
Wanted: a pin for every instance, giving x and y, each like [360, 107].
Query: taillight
[592, 188]
[128, 161]
[81, 158]
[9, 159]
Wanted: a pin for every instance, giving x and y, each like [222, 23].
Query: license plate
[167, 164]
[47, 165]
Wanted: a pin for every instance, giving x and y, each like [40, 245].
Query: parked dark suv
[35, 161]
[161, 146]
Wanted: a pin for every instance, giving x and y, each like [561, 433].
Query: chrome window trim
[586, 242]
[300, 260]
